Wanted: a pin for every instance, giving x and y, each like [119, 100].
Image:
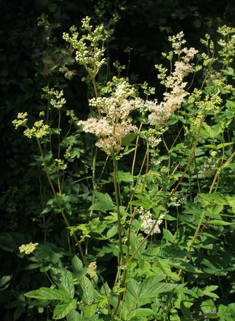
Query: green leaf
[211, 268]
[78, 270]
[229, 71]
[128, 139]
[46, 210]
[87, 290]
[144, 266]
[105, 203]
[226, 312]
[208, 291]
[24, 87]
[218, 222]
[185, 311]
[219, 146]
[231, 103]
[45, 252]
[182, 265]
[4, 281]
[103, 198]
[48, 294]
[74, 316]
[151, 286]
[64, 280]
[133, 288]
[211, 146]
[124, 176]
[111, 232]
[7, 242]
[211, 131]
[75, 152]
[101, 207]
[209, 309]
[141, 313]
[145, 202]
[18, 312]
[89, 310]
[168, 236]
[217, 209]
[32, 266]
[63, 308]
[181, 289]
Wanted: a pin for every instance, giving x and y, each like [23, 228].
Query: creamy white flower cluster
[148, 222]
[90, 56]
[115, 124]
[59, 101]
[174, 97]
[209, 169]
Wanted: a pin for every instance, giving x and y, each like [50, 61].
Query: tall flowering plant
[149, 271]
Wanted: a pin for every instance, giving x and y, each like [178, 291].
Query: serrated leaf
[146, 203]
[46, 210]
[185, 311]
[111, 232]
[211, 146]
[124, 176]
[144, 265]
[208, 308]
[218, 222]
[101, 207]
[226, 313]
[48, 294]
[32, 266]
[141, 313]
[74, 316]
[78, 269]
[63, 308]
[209, 235]
[133, 288]
[219, 146]
[183, 265]
[168, 236]
[128, 139]
[151, 286]
[87, 290]
[64, 280]
[5, 279]
[89, 310]
[103, 198]
[181, 289]
[210, 131]
[231, 103]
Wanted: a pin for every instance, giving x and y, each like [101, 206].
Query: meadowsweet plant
[150, 239]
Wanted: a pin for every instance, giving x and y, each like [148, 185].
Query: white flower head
[148, 223]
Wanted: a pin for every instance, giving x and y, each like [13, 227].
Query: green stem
[194, 147]
[136, 146]
[221, 288]
[143, 240]
[108, 305]
[169, 304]
[58, 202]
[198, 184]
[120, 295]
[217, 174]
[197, 230]
[117, 205]
[137, 182]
